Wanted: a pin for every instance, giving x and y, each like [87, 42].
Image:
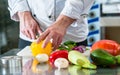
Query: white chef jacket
[46, 12]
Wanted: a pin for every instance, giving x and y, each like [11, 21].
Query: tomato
[58, 54]
[109, 45]
[36, 48]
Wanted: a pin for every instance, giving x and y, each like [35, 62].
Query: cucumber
[78, 58]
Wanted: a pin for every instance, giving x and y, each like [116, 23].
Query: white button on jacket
[46, 12]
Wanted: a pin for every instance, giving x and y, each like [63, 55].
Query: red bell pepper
[58, 54]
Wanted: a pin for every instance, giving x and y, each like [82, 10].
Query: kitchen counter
[46, 69]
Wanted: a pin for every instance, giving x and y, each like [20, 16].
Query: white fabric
[77, 31]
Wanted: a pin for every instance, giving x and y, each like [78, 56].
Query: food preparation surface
[46, 69]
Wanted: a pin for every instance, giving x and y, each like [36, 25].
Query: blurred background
[104, 23]
[8, 29]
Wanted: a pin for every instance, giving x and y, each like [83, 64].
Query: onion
[80, 48]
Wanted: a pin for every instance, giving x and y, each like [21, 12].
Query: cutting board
[26, 52]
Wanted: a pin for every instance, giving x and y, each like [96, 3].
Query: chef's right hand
[28, 25]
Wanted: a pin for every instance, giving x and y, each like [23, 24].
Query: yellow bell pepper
[36, 48]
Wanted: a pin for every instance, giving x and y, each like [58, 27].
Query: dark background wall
[8, 29]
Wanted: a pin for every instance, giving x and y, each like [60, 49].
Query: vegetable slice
[61, 63]
[58, 54]
[78, 58]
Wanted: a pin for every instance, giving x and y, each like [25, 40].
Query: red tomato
[58, 54]
[109, 45]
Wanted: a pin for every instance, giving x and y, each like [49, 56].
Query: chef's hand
[28, 25]
[56, 31]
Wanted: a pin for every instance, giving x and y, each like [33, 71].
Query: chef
[56, 20]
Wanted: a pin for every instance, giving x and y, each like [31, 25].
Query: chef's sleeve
[75, 8]
[17, 5]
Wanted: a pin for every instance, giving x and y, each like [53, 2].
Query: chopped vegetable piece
[61, 63]
[78, 58]
[68, 45]
[80, 48]
[58, 54]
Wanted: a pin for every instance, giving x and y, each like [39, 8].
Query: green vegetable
[102, 58]
[117, 59]
[91, 66]
[68, 45]
[78, 58]
[63, 47]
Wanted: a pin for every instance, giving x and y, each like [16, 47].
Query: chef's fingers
[42, 36]
[46, 40]
[27, 34]
[32, 34]
[56, 43]
[39, 31]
